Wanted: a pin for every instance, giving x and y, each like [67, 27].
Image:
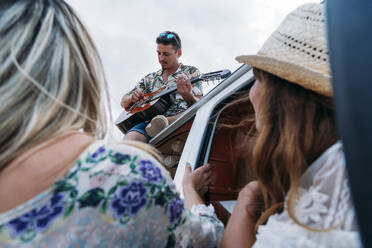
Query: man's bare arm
[126, 101]
[129, 100]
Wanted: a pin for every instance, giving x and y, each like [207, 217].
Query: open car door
[350, 43]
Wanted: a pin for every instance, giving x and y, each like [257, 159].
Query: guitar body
[145, 112]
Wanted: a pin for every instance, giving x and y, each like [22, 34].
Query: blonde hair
[51, 76]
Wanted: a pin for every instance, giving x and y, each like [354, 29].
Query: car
[202, 135]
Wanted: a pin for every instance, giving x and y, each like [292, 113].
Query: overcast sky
[213, 33]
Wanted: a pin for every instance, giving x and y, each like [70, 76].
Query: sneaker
[157, 124]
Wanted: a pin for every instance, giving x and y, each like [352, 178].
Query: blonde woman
[301, 197]
[61, 185]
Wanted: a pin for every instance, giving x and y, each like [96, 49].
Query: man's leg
[138, 133]
[134, 135]
[173, 118]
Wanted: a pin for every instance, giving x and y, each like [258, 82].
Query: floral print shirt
[114, 196]
[154, 81]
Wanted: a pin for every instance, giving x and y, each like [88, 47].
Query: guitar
[156, 103]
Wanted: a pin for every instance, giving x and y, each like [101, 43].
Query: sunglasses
[168, 36]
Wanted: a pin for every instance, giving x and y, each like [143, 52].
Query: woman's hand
[195, 184]
[198, 179]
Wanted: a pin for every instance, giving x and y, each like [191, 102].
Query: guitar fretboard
[170, 90]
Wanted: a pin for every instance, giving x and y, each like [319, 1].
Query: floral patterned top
[114, 196]
[154, 81]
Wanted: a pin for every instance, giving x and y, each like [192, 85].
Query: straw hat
[297, 50]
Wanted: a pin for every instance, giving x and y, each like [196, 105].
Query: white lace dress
[324, 202]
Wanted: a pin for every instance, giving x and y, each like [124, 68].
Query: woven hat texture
[297, 51]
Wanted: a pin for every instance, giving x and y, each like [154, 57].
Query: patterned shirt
[114, 196]
[154, 81]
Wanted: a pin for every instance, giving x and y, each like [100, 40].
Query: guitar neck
[171, 89]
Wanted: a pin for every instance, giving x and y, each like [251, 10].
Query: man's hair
[169, 37]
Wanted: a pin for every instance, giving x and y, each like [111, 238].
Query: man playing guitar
[171, 73]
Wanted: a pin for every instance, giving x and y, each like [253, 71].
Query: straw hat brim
[295, 73]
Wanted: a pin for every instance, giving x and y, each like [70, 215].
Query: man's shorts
[141, 128]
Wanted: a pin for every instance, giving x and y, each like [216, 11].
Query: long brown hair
[297, 126]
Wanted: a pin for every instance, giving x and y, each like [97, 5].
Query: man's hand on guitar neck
[184, 88]
[128, 100]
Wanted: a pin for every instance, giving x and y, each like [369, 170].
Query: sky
[213, 33]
